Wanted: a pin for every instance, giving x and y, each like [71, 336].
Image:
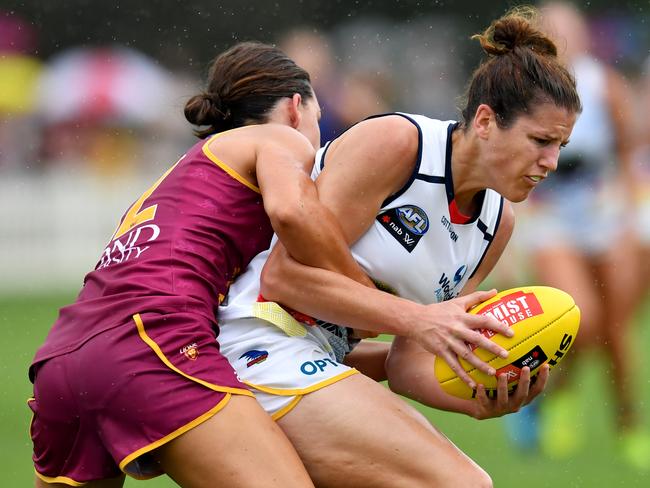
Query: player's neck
[465, 170]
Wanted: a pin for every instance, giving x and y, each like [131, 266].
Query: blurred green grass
[25, 321]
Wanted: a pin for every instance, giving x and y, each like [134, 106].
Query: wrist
[408, 319]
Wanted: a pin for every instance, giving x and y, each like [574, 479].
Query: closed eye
[541, 141]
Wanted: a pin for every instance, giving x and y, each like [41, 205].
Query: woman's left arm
[410, 368]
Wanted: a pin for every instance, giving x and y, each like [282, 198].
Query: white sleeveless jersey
[413, 248]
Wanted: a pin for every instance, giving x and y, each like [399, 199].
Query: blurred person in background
[424, 204]
[346, 93]
[98, 105]
[642, 174]
[581, 239]
[313, 51]
[20, 70]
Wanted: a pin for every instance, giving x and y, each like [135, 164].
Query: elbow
[289, 214]
[274, 280]
[393, 374]
[270, 283]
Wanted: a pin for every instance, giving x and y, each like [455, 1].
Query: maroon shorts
[102, 408]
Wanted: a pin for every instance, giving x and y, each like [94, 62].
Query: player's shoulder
[393, 136]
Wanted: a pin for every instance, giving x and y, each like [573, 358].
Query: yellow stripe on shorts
[278, 316]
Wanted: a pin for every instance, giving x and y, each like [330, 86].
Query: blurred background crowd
[91, 110]
[91, 96]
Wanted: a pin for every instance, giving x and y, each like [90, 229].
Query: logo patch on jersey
[191, 351]
[254, 357]
[449, 287]
[407, 224]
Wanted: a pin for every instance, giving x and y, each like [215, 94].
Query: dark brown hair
[244, 84]
[522, 70]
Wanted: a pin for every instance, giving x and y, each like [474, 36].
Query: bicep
[282, 171]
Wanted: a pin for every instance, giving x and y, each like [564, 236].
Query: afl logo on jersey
[413, 219]
[407, 224]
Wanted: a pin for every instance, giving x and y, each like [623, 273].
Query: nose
[550, 158]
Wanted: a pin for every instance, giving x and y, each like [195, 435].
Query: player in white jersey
[424, 205]
[587, 246]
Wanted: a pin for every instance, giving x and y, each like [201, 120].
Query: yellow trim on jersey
[303, 391]
[31, 420]
[212, 157]
[59, 479]
[278, 316]
[285, 410]
[197, 421]
[152, 344]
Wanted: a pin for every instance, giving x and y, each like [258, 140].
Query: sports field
[25, 321]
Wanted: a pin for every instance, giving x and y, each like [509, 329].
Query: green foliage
[25, 321]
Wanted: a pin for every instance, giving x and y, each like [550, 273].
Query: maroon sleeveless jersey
[176, 250]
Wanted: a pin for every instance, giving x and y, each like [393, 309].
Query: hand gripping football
[545, 321]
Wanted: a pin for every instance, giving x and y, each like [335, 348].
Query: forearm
[369, 357]
[336, 298]
[313, 237]
[410, 372]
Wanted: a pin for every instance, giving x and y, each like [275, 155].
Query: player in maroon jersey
[130, 377]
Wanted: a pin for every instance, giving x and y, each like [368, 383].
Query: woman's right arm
[306, 228]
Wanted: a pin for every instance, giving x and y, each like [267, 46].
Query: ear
[295, 116]
[484, 118]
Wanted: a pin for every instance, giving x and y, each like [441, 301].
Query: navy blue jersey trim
[418, 161]
[449, 180]
[322, 156]
[429, 178]
[488, 237]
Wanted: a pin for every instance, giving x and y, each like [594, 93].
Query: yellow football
[545, 321]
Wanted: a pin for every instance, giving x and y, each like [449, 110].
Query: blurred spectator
[313, 52]
[642, 174]
[582, 241]
[346, 94]
[98, 104]
[19, 72]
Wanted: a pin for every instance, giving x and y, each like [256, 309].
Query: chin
[517, 197]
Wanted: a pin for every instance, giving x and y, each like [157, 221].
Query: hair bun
[207, 110]
[518, 29]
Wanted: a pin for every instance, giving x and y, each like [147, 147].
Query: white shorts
[280, 368]
[586, 216]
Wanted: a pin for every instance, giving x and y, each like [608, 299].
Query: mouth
[535, 179]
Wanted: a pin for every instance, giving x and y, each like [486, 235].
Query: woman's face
[310, 115]
[523, 154]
